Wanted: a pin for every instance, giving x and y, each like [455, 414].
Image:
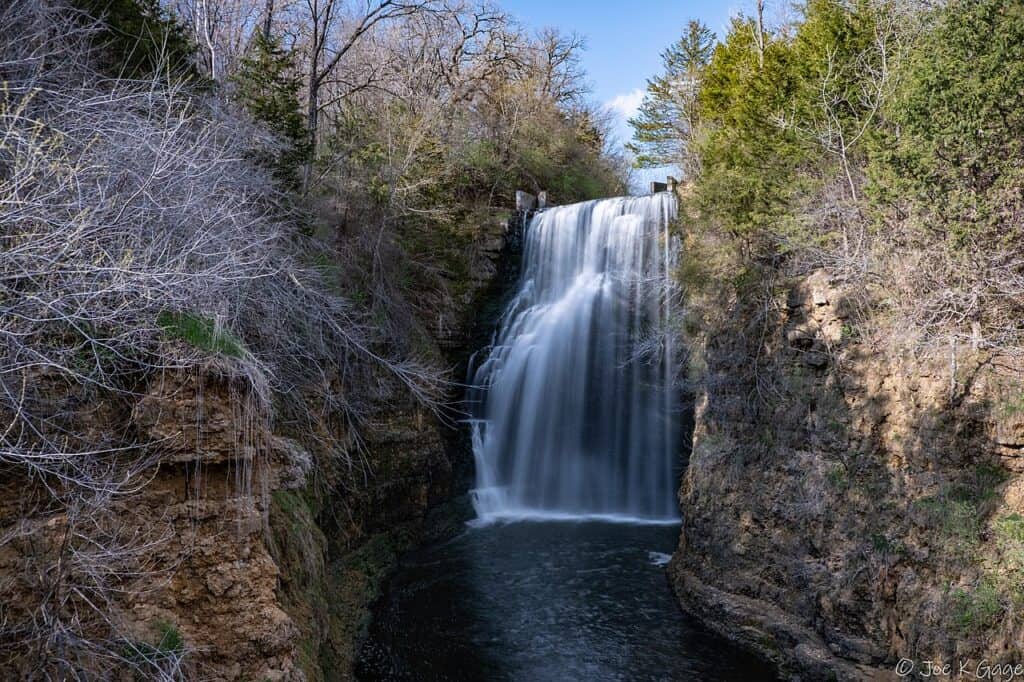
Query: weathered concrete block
[525, 201]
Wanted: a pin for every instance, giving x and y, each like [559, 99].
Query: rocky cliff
[848, 504]
[336, 542]
[254, 554]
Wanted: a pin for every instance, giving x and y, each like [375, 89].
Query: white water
[575, 413]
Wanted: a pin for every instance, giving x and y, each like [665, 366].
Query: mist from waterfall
[574, 405]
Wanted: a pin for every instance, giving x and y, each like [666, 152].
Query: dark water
[539, 601]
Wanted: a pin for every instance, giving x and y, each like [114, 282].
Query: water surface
[552, 600]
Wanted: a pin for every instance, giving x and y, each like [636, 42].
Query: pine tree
[140, 39]
[667, 115]
[268, 84]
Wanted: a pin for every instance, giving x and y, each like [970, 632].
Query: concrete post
[525, 201]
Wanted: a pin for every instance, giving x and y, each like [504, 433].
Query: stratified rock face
[262, 556]
[186, 551]
[220, 585]
[267, 573]
[846, 506]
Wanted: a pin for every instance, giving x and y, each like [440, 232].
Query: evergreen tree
[955, 133]
[140, 39]
[667, 115]
[268, 84]
[780, 116]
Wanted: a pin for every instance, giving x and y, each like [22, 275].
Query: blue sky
[624, 39]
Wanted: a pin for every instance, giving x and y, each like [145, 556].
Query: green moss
[355, 581]
[1010, 528]
[976, 610]
[201, 332]
[298, 547]
[150, 657]
[836, 477]
[1013, 406]
[289, 502]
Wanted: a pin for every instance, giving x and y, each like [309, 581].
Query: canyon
[845, 505]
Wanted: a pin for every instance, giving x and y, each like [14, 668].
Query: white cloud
[623, 107]
[626, 104]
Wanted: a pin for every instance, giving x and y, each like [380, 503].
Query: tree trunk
[268, 19]
[760, 33]
[312, 109]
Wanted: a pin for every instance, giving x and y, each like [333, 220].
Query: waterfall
[574, 408]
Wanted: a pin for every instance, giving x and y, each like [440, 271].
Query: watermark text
[969, 670]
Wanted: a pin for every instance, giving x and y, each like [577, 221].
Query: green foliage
[267, 85]
[976, 610]
[957, 520]
[668, 114]
[170, 640]
[767, 138]
[834, 53]
[201, 332]
[837, 478]
[1008, 562]
[410, 178]
[168, 648]
[961, 523]
[864, 132]
[559, 152]
[956, 134]
[1010, 528]
[981, 484]
[140, 39]
[747, 160]
[958, 511]
[435, 187]
[885, 546]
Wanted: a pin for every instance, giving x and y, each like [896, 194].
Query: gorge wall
[847, 505]
[259, 557]
[334, 545]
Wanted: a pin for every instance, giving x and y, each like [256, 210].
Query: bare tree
[221, 29]
[558, 63]
[332, 35]
[268, 18]
[127, 209]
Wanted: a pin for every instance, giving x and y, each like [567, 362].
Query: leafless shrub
[135, 239]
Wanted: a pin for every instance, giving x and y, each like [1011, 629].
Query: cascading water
[573, 419]
[574, 404]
